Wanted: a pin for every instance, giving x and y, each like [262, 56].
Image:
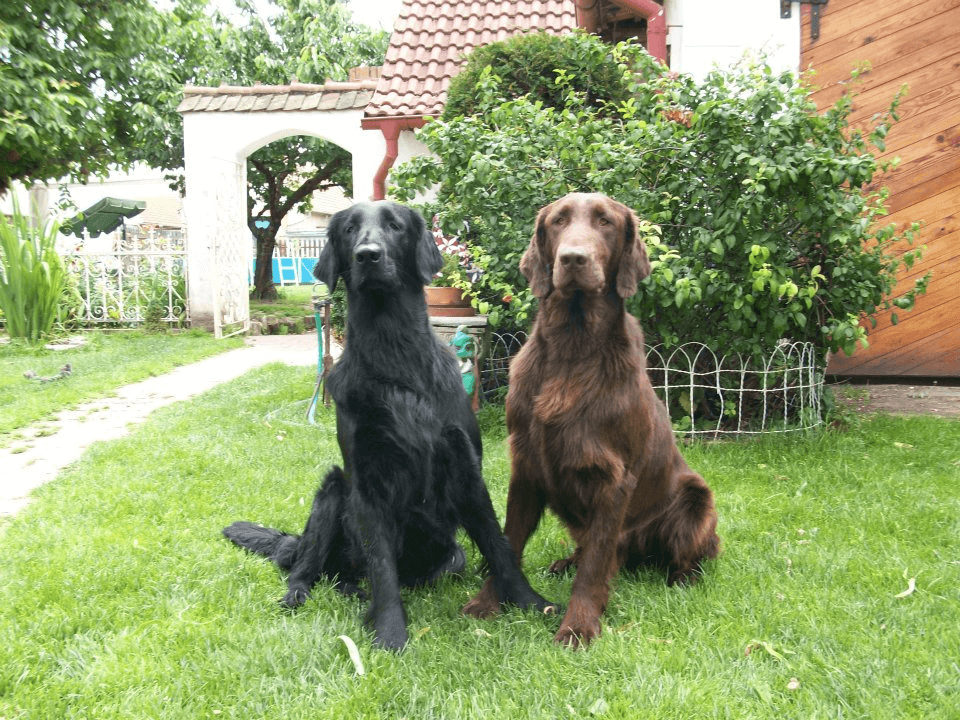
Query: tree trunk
[263, 287]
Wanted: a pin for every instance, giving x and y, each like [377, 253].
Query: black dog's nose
[367, 254]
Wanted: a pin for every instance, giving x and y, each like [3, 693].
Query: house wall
[140, 183]
[703, 34]
[916, 45]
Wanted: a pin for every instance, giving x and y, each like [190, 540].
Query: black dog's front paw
[389, 628]
[350, 589]
[526, 598]
[544, 606]
[391, 639]
[295, 597]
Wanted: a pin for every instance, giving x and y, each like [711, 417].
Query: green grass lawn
[293, 301]
[106, 362]
[120, 598]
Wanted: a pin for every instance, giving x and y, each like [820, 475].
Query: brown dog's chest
[577, 418]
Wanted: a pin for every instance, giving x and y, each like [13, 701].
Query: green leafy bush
[762, 227]
[529, 64]
[32, 277]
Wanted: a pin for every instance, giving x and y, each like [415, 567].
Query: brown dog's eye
[602, 220]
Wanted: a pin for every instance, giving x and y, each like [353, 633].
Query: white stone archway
[221, 127]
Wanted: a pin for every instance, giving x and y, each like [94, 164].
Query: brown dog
[588, 436]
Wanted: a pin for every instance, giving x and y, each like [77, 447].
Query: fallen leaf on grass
[768, 648]
[599, 707]
[480, 632]
[763, 692]
[911, 586]
[904, 446]
[794, 684]
[660, 641]
[354, 654]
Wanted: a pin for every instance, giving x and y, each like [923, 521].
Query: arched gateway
[221, 127]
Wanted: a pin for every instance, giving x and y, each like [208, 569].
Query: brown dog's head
[585, 242]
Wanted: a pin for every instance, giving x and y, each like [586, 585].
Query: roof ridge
[294, 87]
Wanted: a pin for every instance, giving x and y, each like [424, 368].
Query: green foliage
[766, 230]
[530, 65]
[77, 82]
[32, 276]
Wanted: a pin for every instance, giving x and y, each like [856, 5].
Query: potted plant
[445, 295]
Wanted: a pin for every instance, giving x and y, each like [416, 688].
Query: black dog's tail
[279, 546]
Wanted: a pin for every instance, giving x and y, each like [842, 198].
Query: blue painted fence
[290, 270]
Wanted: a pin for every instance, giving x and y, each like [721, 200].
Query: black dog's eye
[394, 225]
[348, 229]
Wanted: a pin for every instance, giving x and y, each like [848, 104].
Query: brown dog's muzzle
[577, 265]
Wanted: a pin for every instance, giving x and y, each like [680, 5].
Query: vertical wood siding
[916, 44]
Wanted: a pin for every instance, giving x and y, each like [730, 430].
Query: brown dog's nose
[572, 257]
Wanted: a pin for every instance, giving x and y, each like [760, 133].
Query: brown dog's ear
[634, 265]
[534, 266]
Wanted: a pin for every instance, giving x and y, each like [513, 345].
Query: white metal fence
[710, 395]
[136, 278]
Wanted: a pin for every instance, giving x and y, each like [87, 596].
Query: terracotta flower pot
[447, 302]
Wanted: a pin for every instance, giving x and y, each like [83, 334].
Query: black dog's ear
[534, 265]
[329, 266]
[429, 259]
[634, 265]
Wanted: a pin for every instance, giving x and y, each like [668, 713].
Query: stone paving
[29, 464]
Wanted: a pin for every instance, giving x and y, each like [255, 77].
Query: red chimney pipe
[654, 13]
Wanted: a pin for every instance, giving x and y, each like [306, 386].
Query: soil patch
[930, 399]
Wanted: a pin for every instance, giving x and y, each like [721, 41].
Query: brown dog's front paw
[579, 627]
[685, 576]
[485, 604]
[579, 637]
[481, 607]
[561, 566]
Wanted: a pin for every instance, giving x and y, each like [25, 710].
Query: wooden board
[915, 44]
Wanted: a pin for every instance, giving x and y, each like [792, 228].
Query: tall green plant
[32, 276]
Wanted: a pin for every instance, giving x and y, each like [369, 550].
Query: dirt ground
[928, 399]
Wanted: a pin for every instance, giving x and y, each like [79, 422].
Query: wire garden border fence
[709, 395]
[142, 278]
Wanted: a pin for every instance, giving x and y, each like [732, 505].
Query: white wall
[140, 183]
[704, 34]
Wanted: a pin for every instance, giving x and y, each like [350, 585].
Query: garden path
[40, 459]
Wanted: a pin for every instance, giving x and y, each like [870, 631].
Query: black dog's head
[378, 246]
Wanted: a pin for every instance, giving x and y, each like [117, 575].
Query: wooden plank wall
[915, 43]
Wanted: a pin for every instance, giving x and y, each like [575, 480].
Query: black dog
[410, 442]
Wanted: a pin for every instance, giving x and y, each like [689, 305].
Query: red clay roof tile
[431, 39]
